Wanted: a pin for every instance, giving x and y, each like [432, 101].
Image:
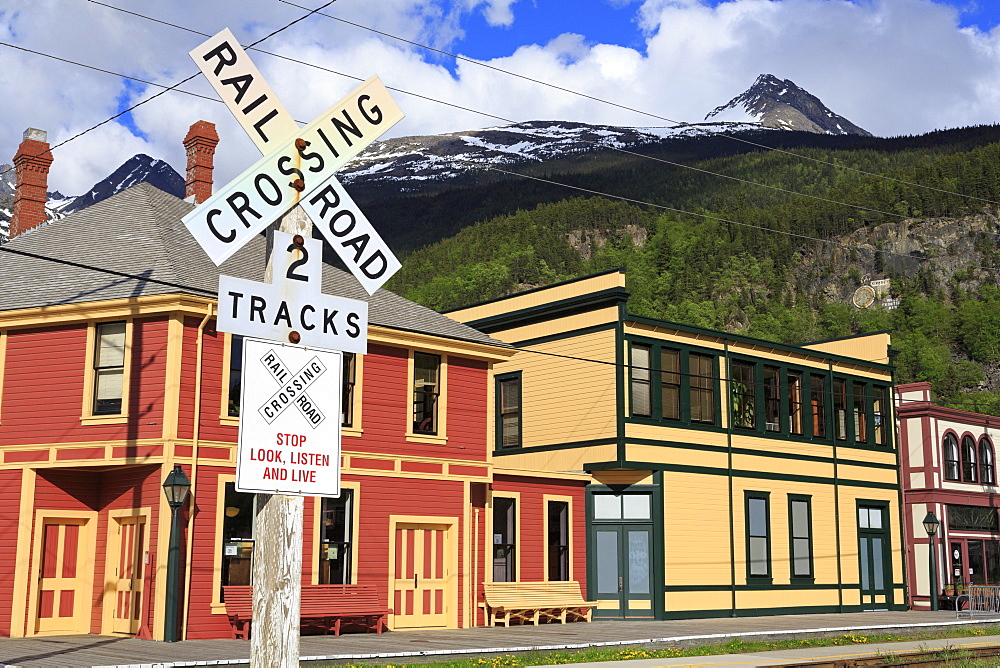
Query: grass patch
[735, 646]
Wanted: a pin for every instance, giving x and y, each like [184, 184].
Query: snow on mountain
[138, 169]
[409, 164]
[440, 157]
[780, 104]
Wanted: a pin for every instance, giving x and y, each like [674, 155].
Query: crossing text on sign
[266, 121]
[292, 171]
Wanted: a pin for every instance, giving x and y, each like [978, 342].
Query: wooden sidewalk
[416, 646]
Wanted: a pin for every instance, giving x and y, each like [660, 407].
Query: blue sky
[890, 66]
[606, 21]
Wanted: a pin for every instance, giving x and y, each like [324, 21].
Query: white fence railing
[981, 601]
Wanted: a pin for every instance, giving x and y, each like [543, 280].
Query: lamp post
[176, 487]
[931, 524]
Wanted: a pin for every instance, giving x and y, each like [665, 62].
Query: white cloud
[891, 66]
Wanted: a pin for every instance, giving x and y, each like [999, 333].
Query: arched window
[968, 459]
[987, 470]
[950, 457]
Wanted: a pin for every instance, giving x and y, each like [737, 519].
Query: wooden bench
[535, 602]
[325, 604]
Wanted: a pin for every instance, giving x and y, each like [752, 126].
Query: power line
[508, 120]
[638, 111]
[626, 366]
[539, 179]
[176, 85]
[715, 218]
[115, 74]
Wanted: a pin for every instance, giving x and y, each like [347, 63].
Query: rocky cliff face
[942, 251]
[777, 103]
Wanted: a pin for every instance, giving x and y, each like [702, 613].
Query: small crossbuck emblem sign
[288, 443]
[292, 389]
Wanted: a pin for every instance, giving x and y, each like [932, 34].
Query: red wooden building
[112, 373]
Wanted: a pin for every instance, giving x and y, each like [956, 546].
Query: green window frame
[840, 409]
[861, 412]
[508, 410]
[772, 399]
[743, 390]
[800, 538]
[672, 384]
[757, 509]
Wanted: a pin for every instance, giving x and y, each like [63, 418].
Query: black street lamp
[931, 525]
[176, 487]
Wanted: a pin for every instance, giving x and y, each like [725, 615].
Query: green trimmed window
[672, 384]
[800, 536]
[744, 393]
[840, 409]
[508, 393]
[235, 375]
[772, 398]
[758, 527]
[794, 384]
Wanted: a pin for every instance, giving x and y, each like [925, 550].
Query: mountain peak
[780, 103]
[140, 168]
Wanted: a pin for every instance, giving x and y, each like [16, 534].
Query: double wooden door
[424, 577]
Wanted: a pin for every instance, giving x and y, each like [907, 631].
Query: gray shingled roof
[139, 232]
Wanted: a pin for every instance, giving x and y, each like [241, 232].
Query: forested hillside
[765, 261]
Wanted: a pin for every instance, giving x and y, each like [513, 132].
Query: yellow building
[727, 475]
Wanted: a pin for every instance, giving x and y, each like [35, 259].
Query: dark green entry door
[623, 575]
[874, 557]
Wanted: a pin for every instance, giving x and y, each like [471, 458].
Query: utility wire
[719, 219]
[555, 183]
[626, 366]
[542, 180]
[638, 111]
[512, 121]
[176, 85]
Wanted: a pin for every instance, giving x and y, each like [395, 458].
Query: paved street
[409, 646]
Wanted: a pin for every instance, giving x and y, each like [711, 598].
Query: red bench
[325, 604]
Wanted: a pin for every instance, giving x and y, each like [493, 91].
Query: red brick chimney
[200, 144]
[31, 163]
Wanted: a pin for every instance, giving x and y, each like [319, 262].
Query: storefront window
[237, 536]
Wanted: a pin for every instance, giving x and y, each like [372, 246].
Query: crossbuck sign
[298, 165]
[292, 443]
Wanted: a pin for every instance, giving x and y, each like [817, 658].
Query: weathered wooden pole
[277, 559]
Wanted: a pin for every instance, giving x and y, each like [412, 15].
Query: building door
[63, 603]
[622, 556]
[127, 583]
[424, 574]
[621, 537]
[874, 558]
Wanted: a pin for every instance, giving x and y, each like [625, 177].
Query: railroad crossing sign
[293, 307]
[298, 165]
[291, 446]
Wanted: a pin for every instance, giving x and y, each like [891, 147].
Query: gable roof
[139, 233]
